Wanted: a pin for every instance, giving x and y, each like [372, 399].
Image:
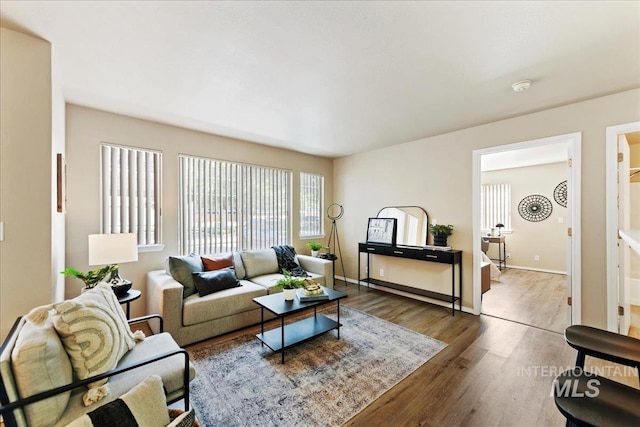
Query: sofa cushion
[241, 272]
[40, 363]
[221, 304]
[257, 263]
[211, 263]
[181, 268]
[143, 405]
[208, 282]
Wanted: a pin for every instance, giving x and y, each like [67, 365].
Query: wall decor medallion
[535, 208]
[560, 194]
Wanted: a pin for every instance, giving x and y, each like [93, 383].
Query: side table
[131, 295]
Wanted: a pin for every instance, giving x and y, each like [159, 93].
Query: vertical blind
[495, 205]
[230, 206]
[130, 186]
[311, 204]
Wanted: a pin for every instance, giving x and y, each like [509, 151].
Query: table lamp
[499, 226]
[113, 249]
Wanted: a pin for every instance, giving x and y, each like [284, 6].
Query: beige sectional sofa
[193, 318]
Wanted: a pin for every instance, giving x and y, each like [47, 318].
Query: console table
[502, 249]
[452, 257]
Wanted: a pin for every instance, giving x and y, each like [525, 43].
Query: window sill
[321, 236]
[150, 248]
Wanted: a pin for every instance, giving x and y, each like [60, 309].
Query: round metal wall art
[560, 194]
[535, 208]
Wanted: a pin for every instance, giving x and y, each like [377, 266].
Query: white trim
[541, 270]
[612, 219]
[574, 265]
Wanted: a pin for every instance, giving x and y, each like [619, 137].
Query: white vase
[289, 294]
[315, 253]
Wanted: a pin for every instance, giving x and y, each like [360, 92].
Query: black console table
[452, 257]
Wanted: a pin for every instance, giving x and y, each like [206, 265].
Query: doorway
[570, 221]
[623, 199]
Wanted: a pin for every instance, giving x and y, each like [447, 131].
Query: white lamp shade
[107, 249]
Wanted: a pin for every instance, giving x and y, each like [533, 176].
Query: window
[230, 206]
[311, 205]
[131, 191]
[495, 206]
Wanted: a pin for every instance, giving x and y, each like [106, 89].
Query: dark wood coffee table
[287, 336]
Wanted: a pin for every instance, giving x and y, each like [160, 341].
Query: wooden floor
[493, 372]
[530, 297]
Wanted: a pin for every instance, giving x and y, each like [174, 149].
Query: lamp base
[119, 285]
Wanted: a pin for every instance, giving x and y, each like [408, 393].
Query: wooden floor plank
[493, 372]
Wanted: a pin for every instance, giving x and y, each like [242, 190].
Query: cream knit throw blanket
[94, 332]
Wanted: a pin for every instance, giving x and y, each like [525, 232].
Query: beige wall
[436, 173]
[87, 128]
[547, 239]
[25, 175]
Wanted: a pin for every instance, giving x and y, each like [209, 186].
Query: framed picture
[61, 183]
[382, 230]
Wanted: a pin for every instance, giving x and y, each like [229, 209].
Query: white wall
[87, 128]
[26, 208]
[546, 239]
[436, 173]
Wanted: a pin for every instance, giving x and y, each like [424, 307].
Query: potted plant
[440, 233]
[91, 278]
[315, 248]
[289, 284]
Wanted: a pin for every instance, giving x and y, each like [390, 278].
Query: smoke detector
[521, 86]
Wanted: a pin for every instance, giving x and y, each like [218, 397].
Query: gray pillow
[181, 268]
[258, 263]
[208, 282]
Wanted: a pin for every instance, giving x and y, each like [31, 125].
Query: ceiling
[333, 78]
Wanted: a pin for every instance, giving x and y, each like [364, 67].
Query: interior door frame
[612, 219]
[574, 264]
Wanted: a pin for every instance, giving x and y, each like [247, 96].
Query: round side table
[131, 295]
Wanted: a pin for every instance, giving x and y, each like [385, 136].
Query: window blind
[130, 188]
[495, 205]
[311, 205]
[228, 206]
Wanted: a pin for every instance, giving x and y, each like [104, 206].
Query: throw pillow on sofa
[95, 334]
[208, 282]
[40, 363]
[181, 268]
[143, 405]
[260, 262]
[212, 263]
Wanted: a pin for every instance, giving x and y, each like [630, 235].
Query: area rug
[323, 382]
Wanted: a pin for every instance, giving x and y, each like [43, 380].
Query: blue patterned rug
[323, 382]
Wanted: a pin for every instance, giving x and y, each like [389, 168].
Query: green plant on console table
[315, 246]
[441, 229]
[91, 278]
[289, 281]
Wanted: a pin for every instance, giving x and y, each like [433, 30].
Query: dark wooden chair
[586, 399]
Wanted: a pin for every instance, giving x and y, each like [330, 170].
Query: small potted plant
[289, 284]
[91, 278]
[315, 248]
[440, 233]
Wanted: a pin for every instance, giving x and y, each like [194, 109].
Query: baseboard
[406, 294]
[541, 270]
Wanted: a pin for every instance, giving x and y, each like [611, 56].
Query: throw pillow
[216, 263]
[258, 263]
[143, 405]
[95, 334]
[182, 268]
[209, 282]
[40, 363]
